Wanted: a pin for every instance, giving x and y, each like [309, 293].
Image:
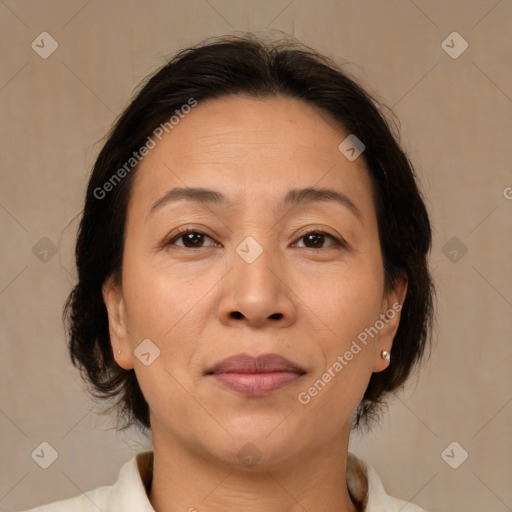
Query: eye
[316, 238]
[192, 239]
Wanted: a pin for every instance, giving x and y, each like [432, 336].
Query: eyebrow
[294, 197]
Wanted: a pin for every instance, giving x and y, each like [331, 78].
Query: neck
[185, 480]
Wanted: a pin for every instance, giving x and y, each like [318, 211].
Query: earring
[119, 351]
[385, 355]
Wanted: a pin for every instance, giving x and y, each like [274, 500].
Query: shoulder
[363, 478]
[126, 495]
[89, 501]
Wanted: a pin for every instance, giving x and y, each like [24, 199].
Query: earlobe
[119, 339]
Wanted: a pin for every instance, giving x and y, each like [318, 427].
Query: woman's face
[270, 270]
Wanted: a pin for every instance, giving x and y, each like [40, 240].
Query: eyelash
[185, 231]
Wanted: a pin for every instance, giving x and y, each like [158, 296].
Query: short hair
[247, 65]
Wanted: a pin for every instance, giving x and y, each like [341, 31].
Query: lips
[266, 363]
[255, 376]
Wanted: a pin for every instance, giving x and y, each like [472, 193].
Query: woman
[253, 281]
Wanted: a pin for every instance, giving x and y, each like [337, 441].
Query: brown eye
[315, 239]
[191, 239]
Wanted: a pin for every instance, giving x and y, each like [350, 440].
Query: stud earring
[385, 355]
[119, 351]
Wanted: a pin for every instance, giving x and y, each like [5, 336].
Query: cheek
[167, 306]
[347, 304]
[155, 300]
[338, 385]
[347, 299]
[158, 308]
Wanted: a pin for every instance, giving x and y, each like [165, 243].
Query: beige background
[456, 124]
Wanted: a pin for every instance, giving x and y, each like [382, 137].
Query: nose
[258, 294]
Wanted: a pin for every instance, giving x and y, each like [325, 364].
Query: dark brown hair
[247, 65]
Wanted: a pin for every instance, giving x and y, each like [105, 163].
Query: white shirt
[129, 493]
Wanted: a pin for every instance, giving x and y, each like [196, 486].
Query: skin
[182, 298]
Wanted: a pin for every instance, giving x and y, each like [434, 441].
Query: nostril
[237, 315]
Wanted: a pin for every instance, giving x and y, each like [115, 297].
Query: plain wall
[455, 116]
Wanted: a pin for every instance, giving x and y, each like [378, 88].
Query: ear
[390, 317]
[119, 336]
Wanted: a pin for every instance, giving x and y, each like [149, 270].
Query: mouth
[255, 376]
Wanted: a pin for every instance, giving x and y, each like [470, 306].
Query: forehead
[252, 147]
[220, 125]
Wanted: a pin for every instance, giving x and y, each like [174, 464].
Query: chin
[257, 443]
